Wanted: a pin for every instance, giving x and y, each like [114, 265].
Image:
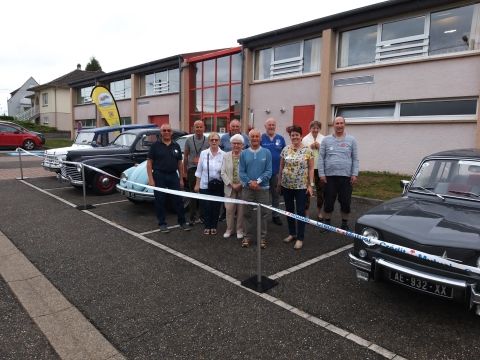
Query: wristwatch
[312, 184]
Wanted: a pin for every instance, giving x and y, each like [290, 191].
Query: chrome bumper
[366, 268]
[135, 195]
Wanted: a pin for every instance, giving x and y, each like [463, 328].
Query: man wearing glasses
[165, 170]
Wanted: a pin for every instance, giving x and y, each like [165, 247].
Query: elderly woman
[233, 186]
[296, 182]
[209, 181]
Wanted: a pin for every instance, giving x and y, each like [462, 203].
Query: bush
[34, 127]
[7, 118]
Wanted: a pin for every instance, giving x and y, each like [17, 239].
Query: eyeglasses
[166, 130]
[214, 139]
[235, 143]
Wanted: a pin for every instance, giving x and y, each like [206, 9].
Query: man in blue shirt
[255, 170]
[275, 143]
[225, 144]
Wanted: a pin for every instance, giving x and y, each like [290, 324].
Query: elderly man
[165, 170]
[338, 169]
[193, 147]
[255, 169]
[275, 143]
[225, 144]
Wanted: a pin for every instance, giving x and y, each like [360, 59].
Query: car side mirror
[404, 184]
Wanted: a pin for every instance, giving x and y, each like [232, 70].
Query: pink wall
[159, 105]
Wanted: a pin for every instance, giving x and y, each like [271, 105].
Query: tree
[93, 65]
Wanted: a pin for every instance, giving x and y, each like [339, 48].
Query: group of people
[256, 168]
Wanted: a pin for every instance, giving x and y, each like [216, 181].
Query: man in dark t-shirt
[165, 170]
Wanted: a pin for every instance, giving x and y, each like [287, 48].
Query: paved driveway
[179, 295]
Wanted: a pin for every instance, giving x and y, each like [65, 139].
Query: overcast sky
[47, 39]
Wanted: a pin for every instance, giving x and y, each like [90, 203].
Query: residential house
[54, 100]
[20, 103]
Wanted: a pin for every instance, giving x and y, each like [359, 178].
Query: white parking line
[110, 202]
[309, 262]
[314, 320]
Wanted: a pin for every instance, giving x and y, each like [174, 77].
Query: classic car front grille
[71, 172]
[51, 161]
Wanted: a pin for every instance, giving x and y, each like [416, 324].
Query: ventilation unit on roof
[359, 80]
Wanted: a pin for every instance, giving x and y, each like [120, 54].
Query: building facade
[404, 74]
[20, 103]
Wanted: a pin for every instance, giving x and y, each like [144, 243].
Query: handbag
[214, 185]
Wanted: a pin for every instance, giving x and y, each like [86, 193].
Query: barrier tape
[368, 241]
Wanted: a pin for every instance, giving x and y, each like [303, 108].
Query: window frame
[384, 48]
[45, 99]
[413, 118]
[121, 92]
[288, 67]
[159, 86]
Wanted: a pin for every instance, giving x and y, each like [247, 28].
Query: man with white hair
[275, 143]
[255, 170]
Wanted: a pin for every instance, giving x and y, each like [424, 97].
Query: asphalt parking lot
[178, 295]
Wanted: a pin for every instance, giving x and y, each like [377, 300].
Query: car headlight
[370, 234]
[124, 177]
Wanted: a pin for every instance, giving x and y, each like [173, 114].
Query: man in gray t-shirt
[338, 170]
[193, 147]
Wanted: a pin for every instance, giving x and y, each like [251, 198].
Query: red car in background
[13, 137]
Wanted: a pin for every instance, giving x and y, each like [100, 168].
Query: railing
[28, 114]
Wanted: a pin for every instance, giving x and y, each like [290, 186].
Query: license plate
[421, 284]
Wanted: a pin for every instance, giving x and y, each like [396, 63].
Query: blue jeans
[211, 209]
[168, 181]
[295, 198]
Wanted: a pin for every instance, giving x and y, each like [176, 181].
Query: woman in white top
[208, 169]
[313, 140]
[233, 186]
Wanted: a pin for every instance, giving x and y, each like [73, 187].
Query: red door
[158, 119]
[302, 116]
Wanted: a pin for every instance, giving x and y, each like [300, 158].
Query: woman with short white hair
[233, 186]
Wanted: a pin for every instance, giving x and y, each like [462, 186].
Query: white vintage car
[86, 138]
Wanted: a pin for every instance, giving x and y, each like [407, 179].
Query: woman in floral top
[295, 181]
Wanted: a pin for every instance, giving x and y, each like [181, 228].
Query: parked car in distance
[438, 214]
[86, 139]
[14, 136]
[138, 174]
[129, 148]
[39, 134]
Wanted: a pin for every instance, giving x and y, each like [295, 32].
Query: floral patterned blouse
[295, 167]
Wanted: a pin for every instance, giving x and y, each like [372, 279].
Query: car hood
[64, 150]
[97, 152]
[137, 174]
[427, 222]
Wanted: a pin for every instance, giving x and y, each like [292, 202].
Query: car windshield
[125, 139]
[448, 177]
[84, 138]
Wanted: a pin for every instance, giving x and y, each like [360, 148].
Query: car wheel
[28, 144]
[104, 184]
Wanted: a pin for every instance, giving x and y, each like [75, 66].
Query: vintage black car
[128, 149]
[428, 240]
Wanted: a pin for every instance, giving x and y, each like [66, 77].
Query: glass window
[223, 96]
[209, 73]
[403, 28]
[439, 108]
[149, 80]
[121, 89]
[223, 70]
[311, 55]
[198, 74]
[286, 52]
[368, 111]
[83, 95]
[237, 67]
[45, 99]
[208, 100]
[263, 58]
[357, 46]
[450, 30]
[174, 80]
